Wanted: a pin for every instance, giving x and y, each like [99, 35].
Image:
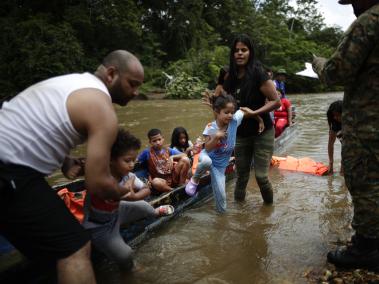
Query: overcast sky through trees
[336, 14]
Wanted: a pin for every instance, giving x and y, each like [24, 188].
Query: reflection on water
[252, 243]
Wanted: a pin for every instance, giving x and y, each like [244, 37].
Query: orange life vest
[74, 202]
[305, 165]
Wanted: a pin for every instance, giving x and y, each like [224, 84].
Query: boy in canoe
[104, 217]
[167, 167]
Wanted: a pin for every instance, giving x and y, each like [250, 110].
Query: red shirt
[282, 111]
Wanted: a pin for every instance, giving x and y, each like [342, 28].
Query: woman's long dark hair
[252, 64]
[334, 107]
[175, 138]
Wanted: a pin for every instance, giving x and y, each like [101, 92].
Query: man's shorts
[34, 219]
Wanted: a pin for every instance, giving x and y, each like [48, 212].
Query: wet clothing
[36, 134]
[35, 128]
[34, 219]
[218, 159]
[250, 145]
[217, 180]
[257, 149]
[107, 238]
[355, 65]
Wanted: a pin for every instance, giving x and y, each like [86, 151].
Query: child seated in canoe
[282, 115]
[180, 141]
[104, 217]
[220, 138]
[167, 167]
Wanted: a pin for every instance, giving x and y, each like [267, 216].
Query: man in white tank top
[38, 128]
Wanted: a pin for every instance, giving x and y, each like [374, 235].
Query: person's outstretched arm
[248, 112]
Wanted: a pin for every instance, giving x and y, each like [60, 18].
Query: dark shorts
[34, 219]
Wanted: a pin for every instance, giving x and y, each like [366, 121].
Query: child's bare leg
[181, 170]
[160, 184]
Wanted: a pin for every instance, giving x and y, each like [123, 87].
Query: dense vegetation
[187, 38]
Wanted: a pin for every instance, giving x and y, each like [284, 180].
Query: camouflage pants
[360, 158]
[257, 150]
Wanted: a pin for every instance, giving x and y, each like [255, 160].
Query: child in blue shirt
[220, 139]
[167, 167]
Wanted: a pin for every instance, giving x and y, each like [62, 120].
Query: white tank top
[35, 128]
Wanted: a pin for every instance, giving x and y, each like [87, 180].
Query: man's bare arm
[92, 115]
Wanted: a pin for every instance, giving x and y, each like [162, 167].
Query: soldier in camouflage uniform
[355, 65]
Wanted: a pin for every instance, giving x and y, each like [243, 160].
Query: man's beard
[118, 95]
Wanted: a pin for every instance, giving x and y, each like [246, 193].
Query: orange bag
[74, 202]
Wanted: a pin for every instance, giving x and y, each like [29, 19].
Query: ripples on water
[251, 243]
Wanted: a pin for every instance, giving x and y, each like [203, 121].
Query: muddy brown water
[252, 242]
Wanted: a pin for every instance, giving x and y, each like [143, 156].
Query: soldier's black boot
[362, 253]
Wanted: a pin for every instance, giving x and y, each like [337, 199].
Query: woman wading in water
[247, 81]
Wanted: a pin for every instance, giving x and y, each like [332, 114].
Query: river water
[252, 242]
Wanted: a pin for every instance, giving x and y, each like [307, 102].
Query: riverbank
[331, 275]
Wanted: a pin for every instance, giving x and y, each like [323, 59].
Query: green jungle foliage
[186, 39]
[184, 86]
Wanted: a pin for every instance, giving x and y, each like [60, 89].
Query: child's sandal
[191, 188]
[166, 210]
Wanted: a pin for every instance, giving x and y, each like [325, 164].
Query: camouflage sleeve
[352, 51]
